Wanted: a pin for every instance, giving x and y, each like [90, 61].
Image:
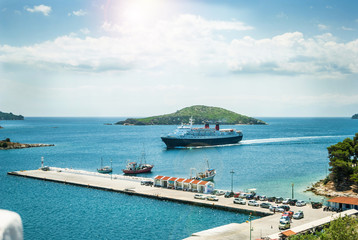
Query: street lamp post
[232, 180]
[292, 191]
[250, 225]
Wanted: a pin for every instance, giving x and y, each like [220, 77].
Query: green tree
[343, 158]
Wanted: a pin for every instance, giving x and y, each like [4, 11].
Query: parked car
[283, 226]
[220, 192]
[298, 215]
[237, 194]
[240, 201]
[199, 196]
[286, 201]
[283, 208]
[253, 203]
[249, 196]
[316, 205]
[292, 202]
[263, 198]
[300, 203]
[285, 219]
[147, 183]
[212, 198]
[257, 197]
[243, 195]
[271, 199]
[279, 200]
[229, 194]
[288, 214]
[273, 208]
[265, 205]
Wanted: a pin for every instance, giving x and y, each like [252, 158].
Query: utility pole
[232, 180]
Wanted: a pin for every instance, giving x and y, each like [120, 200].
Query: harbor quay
[265, 226]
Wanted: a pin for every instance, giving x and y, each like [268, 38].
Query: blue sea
[270, 158]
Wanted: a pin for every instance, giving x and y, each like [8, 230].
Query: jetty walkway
[262, 227]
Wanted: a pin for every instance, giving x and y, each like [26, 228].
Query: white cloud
[322, 27]
[78, 13]
[347, 28]
[45, 10]
[190, 42]
[85, 31]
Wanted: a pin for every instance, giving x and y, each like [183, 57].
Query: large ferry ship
[187, 136]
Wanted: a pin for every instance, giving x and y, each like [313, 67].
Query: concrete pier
[265, 226]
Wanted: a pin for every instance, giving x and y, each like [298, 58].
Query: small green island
[355, 116]
[10, 116]
[199, 113]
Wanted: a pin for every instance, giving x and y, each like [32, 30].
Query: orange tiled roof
[158, 177]
[345, 200]
[203, 182]
[188, 180]
[172, 179]
[288, 233]
[180, 179]
[195, 181]
[165, 178]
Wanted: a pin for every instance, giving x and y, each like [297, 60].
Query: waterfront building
[184, 184]
[343, 203]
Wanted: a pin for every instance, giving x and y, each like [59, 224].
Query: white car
[273, 208]
[253, 203]
[199, 196]
[286, 201]
[240, 201]
[298, 215]
[263, 198]
[212, 198]
[300, 203]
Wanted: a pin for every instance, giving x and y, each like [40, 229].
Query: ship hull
[145, 170]
[172, 142]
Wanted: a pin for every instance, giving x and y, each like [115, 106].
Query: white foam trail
[288, 139]
[273, 140]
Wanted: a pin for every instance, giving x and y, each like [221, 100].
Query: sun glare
[138, 12]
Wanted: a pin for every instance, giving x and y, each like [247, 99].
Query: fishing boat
[105, 169]
[135, 168]
[207, 175]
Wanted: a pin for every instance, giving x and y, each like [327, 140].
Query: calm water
[270, 159]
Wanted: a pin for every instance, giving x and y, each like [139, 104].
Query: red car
[288, 213]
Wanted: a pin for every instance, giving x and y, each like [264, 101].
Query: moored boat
[105, 169]
[207, 175]
[135, 168]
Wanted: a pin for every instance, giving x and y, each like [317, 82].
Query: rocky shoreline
[12, 145]
[329, 190]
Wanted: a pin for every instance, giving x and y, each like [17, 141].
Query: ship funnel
[217, 127]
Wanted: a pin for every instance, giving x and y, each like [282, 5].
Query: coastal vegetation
[199, 113]
[343, 177]
[10, 116]
[7, 144]
[342, 228]
[355, 116]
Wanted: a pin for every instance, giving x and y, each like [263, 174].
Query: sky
[92, 58]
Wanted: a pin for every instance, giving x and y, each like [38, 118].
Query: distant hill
[10, 116]
[355, 116]
[200, 114]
